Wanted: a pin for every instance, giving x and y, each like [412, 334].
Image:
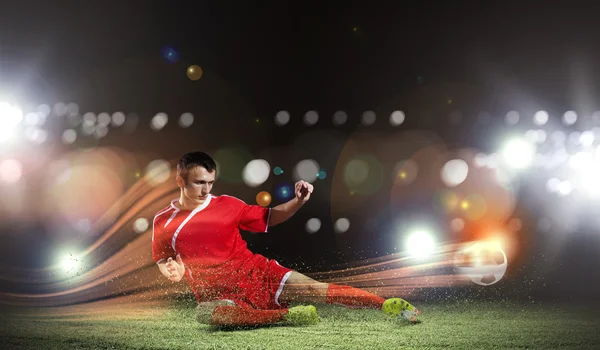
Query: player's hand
[303, 190]
[176, 268]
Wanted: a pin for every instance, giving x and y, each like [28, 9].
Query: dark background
[355, 56]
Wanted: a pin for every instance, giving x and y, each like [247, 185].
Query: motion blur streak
[123, 278]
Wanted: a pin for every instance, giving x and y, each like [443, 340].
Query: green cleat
[399, 307]
[302, 316]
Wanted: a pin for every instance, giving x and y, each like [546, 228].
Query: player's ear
[180, 181]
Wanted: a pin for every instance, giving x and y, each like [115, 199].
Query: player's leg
[230, 313]
[301, 288]
[204, 310]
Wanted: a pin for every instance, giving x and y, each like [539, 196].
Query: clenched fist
[175, 268]
[303, 190]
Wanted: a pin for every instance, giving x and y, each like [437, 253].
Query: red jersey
[207, 238]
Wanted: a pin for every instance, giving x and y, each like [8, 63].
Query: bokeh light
[159, 121]
[194, 72]
[341, 225]
[363, 174]
[282, 118]
[311, 118]
[284, 191]
[454, 172]
[141, 225]
[405, 172]
[322, 174]
[512, 117]
[32, 118]
[574, 137]
[306, 170]
[263, 198]
[256, 172]
[36, 135]
[368, 118]
[277, 171]
[515, 224]
[587, 138]
[340, 118]
[397, 118]
[313, 225]
[104, 119]
[118, 119]
[100, 131]
[89, 118]
[157, 172]
[540, 118]
[69, 136]
[186, 120]
[569, 118]
[88, 126]
[170, 54]
[473, 207]
[457, 224]
[44, 110]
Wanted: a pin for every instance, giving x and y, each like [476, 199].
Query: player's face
[199, 184]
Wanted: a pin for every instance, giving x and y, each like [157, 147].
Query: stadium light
[420, 244]
[69, 264]
[589, 179]
[10, 117]
[518, 154]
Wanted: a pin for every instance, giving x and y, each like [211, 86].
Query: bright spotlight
[518, 153]
[10, 117]
[589, 180]
[420, 244]
[69, 263]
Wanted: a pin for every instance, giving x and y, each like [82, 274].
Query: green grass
[464, 325]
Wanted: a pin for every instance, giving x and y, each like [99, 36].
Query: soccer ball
[483, 262]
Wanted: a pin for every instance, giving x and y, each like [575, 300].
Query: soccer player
[197, 237]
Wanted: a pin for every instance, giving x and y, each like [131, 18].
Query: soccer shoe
[302, 316]
[398, 306]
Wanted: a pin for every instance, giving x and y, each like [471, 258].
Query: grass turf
[464, 324]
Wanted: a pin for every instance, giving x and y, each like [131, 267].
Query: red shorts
[257, 282]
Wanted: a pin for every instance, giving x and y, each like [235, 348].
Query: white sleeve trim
[158, 262]
[268, 218]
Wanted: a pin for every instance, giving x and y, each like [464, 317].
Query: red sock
[353, 297]
[245, 316]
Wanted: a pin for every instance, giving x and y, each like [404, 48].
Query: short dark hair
[193, 159]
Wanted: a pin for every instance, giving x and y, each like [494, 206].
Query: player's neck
[186, 204]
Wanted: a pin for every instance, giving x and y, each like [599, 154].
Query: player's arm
[174, 270]
[162, 253]
[284, 211]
